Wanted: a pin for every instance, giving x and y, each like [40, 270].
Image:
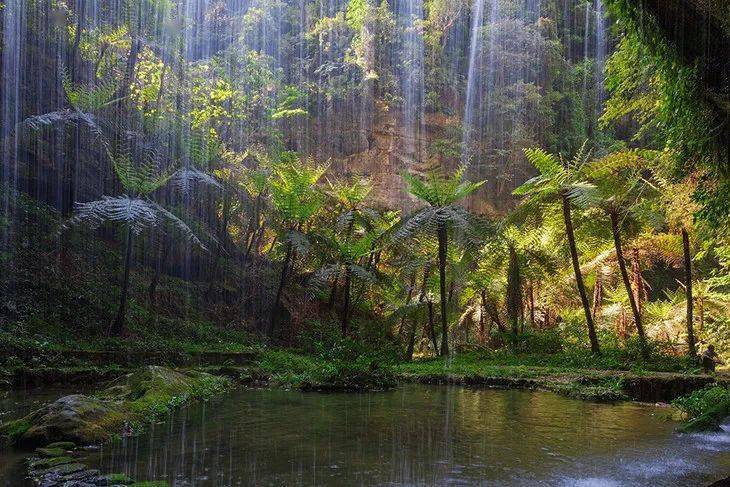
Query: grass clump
[705, 409]
[344, 365]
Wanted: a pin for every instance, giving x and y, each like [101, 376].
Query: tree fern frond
[185, 179]
[547, 164]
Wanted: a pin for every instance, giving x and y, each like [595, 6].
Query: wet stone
[47, 463]
[64, 445]
[61, 470]
[114, 479]
[86, 475]
[50, 452]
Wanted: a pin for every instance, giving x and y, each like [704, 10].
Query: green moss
[50, 452]
[114, 479]
[66, 445]
[46, 463]
[15, 429]
[133, 400]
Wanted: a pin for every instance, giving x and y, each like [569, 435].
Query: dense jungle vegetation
[524, 182]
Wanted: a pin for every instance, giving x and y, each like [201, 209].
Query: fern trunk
[421, 297]
[117, 328]
[409, 296]
[346, 304]
[578, 276]
[627, 283]
[432, 328]
[514, 292]
[280, 290]
[443, 247]
[692, 350]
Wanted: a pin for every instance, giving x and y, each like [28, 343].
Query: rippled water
[419, 435]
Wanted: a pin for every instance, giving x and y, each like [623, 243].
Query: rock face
[385, 150]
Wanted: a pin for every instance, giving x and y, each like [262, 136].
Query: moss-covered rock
[114, 479]
[50, 452]
[71, 418]
[64, 445]
[123, 408]
[65, 469]
[44, 463]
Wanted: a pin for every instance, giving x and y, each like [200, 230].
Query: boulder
[123, 408]
[75, 418]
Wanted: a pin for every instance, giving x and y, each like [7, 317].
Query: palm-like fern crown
[84, 101]
[558, 175]
[438, 190]
[350, 195]
[203, 149]
[619, 180]
[294, 191]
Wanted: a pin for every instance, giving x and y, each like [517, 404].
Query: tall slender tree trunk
[346, 304]
[692, 350]
[627, 283]
[514, 292]
[443, 248]
[482, 331]
[432, 328]
[409, 296]
[421, 296]
[597, 296]
[279, 290]
[117, 328]
[532, 304]
[578, 276]
[638, 284]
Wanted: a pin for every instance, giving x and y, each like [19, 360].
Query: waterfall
[475, 50]
[13, 22]
[601, 48]
[413, 83]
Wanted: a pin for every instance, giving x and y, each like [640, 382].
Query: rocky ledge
[60, 464]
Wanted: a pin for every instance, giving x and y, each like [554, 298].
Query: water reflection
[419, 435]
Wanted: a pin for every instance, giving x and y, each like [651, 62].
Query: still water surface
[418, 435]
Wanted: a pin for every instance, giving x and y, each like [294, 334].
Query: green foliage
[294, 192]
[704, 409]
[344, 366]
[440, 191]
[290, 104]
[139, 178]
[89, 99]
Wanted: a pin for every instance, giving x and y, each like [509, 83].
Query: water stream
[418, 435]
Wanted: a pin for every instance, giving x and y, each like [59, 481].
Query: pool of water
[418, 435]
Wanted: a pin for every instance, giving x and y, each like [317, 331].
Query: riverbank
[571, 375]
[577, 382]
